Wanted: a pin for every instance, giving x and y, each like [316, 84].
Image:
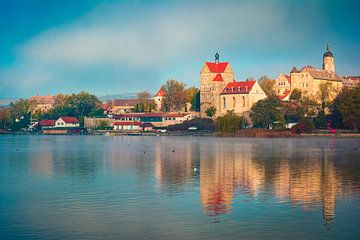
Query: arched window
[243, 101]
[224, 102]
[234, 102]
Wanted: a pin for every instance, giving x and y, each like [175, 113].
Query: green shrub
[229, 122]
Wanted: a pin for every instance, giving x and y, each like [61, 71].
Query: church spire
[217, 56]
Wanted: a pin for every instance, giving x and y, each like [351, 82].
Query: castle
[309, 80]
[219, 89]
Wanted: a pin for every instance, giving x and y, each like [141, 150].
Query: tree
[324, 94]
[20, 112]
[195, 102]
[308, 107]
[210, 112]
[78, 105]
[143, 98]
[295, 95]
[267, 85]
[347, 105]
[229, 122]
[175, 97]
[265, 112]
[5, 118]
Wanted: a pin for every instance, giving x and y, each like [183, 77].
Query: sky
[115, 47]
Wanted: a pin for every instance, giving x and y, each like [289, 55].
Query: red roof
[285, 94]
[69, 119]
[176, 114]
[218, 78]
[160, 93]
[238, 87]
[47, 122]
[127, 123]
[217, 67]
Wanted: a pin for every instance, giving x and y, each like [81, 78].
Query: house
[310, 80]
[127, 126]
[239, 97]
[119, 106]
[147, 127]
[67, 122]
[47, 124]
[351, 81]
[43, 103]
[159, 99]
[160, 119]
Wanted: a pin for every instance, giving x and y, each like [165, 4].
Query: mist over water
[98, 187]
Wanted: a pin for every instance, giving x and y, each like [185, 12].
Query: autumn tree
[144, 103]
[5, 118]
[191, 94]
[267, 85]
[175, 97]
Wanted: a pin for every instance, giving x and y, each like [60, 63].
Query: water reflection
[122, 176]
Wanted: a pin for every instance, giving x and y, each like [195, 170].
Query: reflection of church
[305, 183]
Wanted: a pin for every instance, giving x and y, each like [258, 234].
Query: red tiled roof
[285, 94]
[354, 78]
[238, 87]
[217, 67]
[127, 123]
[47, 122]
[160, 93]
[218, 78]
[69, 119]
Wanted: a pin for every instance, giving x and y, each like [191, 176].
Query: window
[224, 102]
[234, 102]
[243, 101]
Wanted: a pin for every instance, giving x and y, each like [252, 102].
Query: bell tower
[328, 60]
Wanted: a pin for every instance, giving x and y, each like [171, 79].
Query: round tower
[328, 60]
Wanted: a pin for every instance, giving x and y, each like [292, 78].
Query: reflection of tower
[216, 180]
[328, 189]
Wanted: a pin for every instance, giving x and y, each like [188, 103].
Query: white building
[66, 122]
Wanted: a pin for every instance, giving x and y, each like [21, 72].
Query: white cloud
[147, 39]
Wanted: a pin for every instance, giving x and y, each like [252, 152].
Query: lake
[143, 187]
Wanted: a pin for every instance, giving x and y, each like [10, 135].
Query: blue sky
[111, 47]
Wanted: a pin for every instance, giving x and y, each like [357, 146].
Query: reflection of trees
[305, 177]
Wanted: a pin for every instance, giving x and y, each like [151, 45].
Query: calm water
[98, 187]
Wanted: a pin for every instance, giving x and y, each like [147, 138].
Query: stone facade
[309, 79]
[219, 89]
[240, 97]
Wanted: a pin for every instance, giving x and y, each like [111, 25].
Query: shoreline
[245, 133]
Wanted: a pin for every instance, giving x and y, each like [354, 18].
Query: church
[309, 80]
[219, 89]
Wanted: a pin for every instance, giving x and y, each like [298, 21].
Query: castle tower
[213, 78]
[328, 60]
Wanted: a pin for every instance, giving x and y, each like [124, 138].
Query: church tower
[213, 78]
[328, 60]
